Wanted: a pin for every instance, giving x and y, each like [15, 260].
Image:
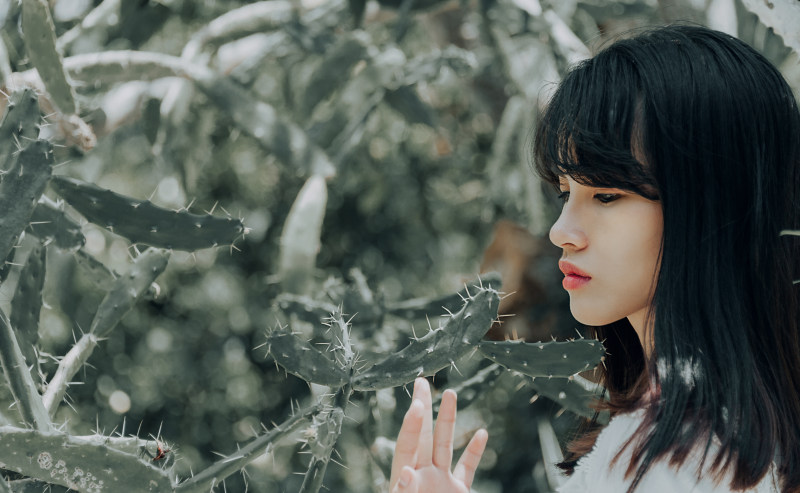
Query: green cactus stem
[545, 359]
[39, 34]
[5, 65]
[315, 311]
[129, 444]
[300, 239]
[50, 223]
[341, 346]
[5, 269]
[324, 432]
[82, 466]
[119, 300]
[29, 402]
[110, 67]
[142, 222]
[304, 307]
[439, 348]
[35, 486]
[103, 17]
[103, 277]
[475, 386]
[20, 189]
[300, 359]
[421, 307]
[574, 394]
[128, 289]
[212, 476]
[27, 303]
[20, 124]
[237, 23]
[69, 365]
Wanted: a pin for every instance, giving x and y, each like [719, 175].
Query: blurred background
[419, 114]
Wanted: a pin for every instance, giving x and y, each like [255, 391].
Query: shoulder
[594, 474]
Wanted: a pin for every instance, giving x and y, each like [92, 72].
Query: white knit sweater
[593, 474]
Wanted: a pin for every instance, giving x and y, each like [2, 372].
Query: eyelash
[605, 198]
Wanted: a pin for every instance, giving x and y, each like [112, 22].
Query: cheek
[627, 267]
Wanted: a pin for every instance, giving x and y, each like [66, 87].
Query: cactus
[49, 223]
[40, 41]
[325, 430]
[102, 17]
[302, 360]
[101, 275]
[89, 466]
[437, 349]
[110, 67]
[237, 23]
[5, 269]
[574, 393]
[548, 359]
[28, 400]
[300, 240]
[470, 389]
[20, 123]
[26, 178]
[142, 222]
[421, 307]
[216, 473]
[124, 293]
[26, 305]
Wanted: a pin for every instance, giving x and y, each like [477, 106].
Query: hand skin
[422, 457]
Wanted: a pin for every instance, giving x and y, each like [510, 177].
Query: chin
[592, 318]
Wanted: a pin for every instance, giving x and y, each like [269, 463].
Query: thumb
[406, 482]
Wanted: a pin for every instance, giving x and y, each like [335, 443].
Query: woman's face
[613, 237]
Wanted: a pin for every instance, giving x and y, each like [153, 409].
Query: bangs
[593, 126]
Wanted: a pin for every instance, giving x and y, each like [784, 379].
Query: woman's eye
[606, 197]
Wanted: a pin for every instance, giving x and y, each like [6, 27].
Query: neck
[643, 330]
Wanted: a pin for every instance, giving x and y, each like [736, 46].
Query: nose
[567, 233]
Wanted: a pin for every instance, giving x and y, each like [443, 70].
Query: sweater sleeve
[594, 474]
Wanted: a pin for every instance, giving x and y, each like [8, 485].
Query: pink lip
[574, 277]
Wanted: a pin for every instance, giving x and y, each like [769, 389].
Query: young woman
[677, 155]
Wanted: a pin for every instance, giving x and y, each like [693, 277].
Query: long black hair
[703, 123]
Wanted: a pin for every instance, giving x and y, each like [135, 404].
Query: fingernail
[405, 478]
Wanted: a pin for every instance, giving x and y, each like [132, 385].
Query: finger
[407, 441]
[468, 463]
[407, 482]
[443, 435]
[422, 391]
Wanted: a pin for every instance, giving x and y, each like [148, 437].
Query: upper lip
[569, 269]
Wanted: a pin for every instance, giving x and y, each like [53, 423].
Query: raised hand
[422, 457]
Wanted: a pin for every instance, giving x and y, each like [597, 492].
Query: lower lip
[572, 281]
